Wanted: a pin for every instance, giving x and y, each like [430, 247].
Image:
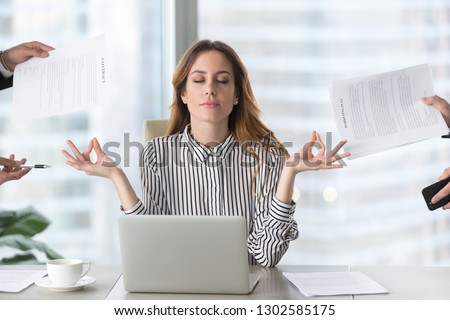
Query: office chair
[154, 128]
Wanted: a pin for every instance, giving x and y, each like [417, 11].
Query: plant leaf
[21, 258]
[24, 243]
[6, 217]
[27, 222]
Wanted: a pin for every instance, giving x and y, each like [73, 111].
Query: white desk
[408, 282]
[106, 277]
[271, 286]
[403, 283]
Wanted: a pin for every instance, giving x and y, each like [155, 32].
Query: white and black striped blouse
[182, 177]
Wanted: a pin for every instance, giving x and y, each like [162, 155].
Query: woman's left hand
[306, 160]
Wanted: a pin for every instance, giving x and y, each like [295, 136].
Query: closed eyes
[224, 81]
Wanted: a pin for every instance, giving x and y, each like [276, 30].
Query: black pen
[36, 166]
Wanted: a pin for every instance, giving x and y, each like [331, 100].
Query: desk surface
[403, 283]
[408, 283]
[106, 277]
[271, 286]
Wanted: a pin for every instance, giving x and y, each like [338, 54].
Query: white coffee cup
[67, 272]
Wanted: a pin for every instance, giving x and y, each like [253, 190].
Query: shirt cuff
[292, 232]
[137, 209]
[5, 73]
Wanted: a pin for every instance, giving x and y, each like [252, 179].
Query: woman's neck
[209, 134]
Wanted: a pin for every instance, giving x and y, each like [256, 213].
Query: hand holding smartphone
[429, 192]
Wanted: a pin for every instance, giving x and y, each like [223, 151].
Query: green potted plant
[17, 229]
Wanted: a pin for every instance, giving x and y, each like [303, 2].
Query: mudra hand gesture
[102, 167]
[305, 159]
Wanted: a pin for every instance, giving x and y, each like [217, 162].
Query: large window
[82, 209]
[372, 211]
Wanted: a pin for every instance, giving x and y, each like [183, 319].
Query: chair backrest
[154, 128]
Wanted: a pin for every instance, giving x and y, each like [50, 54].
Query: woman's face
[210, 93]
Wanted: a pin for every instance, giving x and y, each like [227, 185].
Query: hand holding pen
[11, 169]
[15, 169]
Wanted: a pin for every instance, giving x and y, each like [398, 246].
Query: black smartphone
[431, 190]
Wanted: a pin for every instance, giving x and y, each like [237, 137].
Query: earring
[236, 102]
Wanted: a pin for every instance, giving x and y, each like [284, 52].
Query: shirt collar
[202, 152]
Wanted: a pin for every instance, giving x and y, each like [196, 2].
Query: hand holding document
[384, 111]
[71, 79]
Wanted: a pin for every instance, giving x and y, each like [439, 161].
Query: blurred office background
[370, 212]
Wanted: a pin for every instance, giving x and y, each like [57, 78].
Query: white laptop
[185, 254]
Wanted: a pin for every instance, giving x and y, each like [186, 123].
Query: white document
[17, 280]
[70, 79]
[334, 283]
[384, 111]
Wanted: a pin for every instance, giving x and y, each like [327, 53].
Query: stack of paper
[384, 111]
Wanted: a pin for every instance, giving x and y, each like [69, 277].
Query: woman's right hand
[103, 167]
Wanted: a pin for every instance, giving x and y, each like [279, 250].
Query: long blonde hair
[244, 121]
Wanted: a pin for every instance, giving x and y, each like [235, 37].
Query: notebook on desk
[185, 254]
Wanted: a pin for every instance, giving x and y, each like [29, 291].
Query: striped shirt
[180, 176]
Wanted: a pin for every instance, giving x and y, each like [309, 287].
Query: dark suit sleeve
[5, 82]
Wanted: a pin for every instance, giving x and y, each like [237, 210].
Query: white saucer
[46, 283]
